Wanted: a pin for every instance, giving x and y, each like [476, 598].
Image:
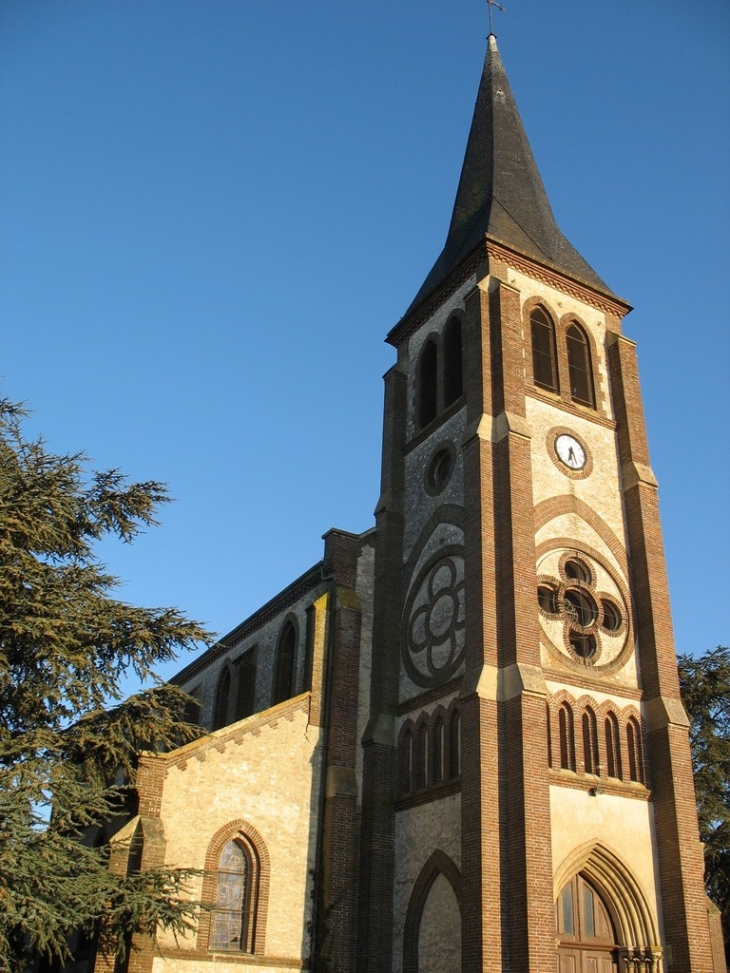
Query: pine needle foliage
[705, 684]
[68, 739]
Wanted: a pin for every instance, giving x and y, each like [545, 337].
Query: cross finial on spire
[490, 4]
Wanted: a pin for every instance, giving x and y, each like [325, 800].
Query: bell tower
[527, 788]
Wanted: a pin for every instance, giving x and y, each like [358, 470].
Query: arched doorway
[587, 940]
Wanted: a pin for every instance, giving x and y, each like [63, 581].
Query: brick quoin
[681, 865]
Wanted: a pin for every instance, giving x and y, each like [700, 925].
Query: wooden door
[586, 935]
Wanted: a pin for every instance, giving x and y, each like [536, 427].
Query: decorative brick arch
[634, 732]
[555, 703]
[611, 733]
[438, 864]
[261, 880]
[553, 507]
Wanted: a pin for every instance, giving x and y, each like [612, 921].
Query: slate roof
[501, 194]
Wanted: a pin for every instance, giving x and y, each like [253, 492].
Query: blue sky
[212, 213]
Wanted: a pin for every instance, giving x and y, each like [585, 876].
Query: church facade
[456, 743]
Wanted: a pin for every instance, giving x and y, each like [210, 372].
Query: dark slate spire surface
[501, 194]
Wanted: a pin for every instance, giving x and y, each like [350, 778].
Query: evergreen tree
[67, 739]
[705, 683]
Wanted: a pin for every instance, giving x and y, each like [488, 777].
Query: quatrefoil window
[584, 612]
[434, 637]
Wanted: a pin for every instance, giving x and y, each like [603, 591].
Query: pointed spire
[501, 194]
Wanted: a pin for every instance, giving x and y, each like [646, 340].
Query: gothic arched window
[544, 357]
[284, 666]
[567, 737]
[246, 684]
[590, 742]
[613, 747]
[636, 756]
[420, 756]
[453, 367]
[454, 744]
[579, 366]
[405, 759]
[427, 384]
[232, 925]
[222, 699]
[437, 750]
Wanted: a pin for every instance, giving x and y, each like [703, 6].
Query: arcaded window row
[573, 351]
[429, 750]
[235, 696]
[440, 379]
[596, 740]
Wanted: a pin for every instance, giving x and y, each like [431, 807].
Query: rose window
[572, 604]
[434, 622]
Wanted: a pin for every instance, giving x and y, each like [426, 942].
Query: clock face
[570, 451]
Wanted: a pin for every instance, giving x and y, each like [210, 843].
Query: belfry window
[544, 358]
[579, 367]
[428, 384]
[453, 368]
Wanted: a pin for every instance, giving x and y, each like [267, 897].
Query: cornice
[553, 278]
[285, 599]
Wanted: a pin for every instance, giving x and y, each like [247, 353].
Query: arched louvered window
[453, 365]
[232, 922]
[544, 356]
[284, 668]
[635, 750]
[567, 737]
[428, 383]
[590, 742]
[613, 747]
[222, 699]
[579, 367]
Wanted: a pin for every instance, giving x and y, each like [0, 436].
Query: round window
[611, 616]
[547, 598]
[583, 645]
[578, 570]
[440, 468]
[580, 608]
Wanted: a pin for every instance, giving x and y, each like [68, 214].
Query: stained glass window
[229, 928]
